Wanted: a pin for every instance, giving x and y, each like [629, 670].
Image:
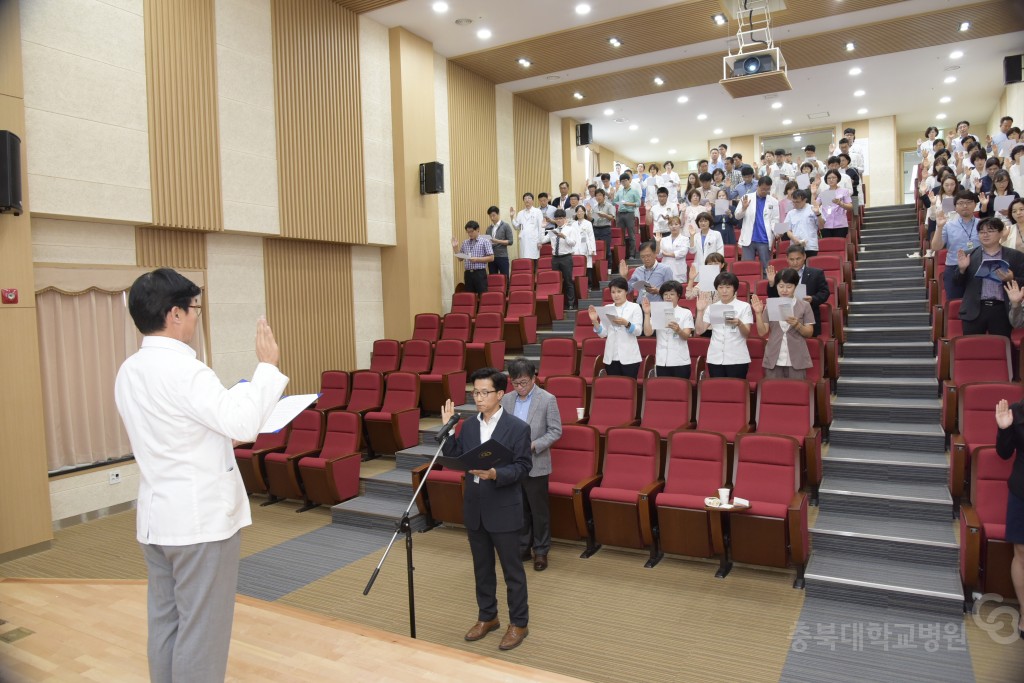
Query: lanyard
[967, 231]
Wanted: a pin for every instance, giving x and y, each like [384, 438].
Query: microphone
[443, 432]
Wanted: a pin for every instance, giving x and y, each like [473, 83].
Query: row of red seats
[616, 490]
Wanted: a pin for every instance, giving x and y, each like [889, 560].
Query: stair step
[915, 305]
[913, 410]
[906, 268]
[903, 499]
[376, 512]
[878, 333]
[531, 350]
[568, 324]
[396, 484]
[411, 458]
[888, 294]
[926, 542]
[887, 256]
[908, 436]
[920, 319]
[888, 349]
[930, 467]
[905, 280]
[893, 368]
[888, 582]
[873, 387]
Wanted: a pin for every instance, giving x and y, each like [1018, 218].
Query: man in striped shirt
[476, 253]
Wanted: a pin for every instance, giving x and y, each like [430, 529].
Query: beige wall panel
[532, 135]
[309, 303]
[473, 145]
[378, 143]
[884, 171]
[319, 121]
[574, 163]
[181, 80]
[555, 150]
[245, 96]
[235, 297]
[11, 83]
[66, 241]
[368, 299]
[744, 145]
[444, 200]
[507, 196]
[179, 249]
[81, 494]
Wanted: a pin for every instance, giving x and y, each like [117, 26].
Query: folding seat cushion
[550, 301]
[786, 406]
[723, 406]
[247, 458]
[985, 555]
[570, 394]
[396, 425]
[492, 301]
[612, 403]
[974, 358]
[367, 391]
[416, 356]
[696, 469]
[520, 320]
[447, 377]
[333, 475]
[281, 468]
[464, 302]
[487, 350]
[334, 385]
[557, 357]
[977, 427]
[457, 326]
[574, 473]
[427, 326]
[386, 355]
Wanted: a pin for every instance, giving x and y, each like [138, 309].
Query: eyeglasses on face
[483, 393]
[521, 383]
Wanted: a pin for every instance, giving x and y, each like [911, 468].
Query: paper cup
[723, 495]
[579, 413]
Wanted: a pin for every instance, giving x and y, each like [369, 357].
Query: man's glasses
[483, 393]
[199, 309]
[520, 383]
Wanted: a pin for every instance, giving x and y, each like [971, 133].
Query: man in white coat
[530, 223]
[759, 212]
[192, 504]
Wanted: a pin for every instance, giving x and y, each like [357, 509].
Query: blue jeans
[762, 252]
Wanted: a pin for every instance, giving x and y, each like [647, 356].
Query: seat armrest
[263, 451]
[244, 444]
[354, 454]
[796, 520]
[295, 457]
[957, 467]
[581, 503]
[646, 499]
[972, 536]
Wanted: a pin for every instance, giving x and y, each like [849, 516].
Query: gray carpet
[277, 571]
[848, 643]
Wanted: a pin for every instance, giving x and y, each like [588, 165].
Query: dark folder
[485, 456]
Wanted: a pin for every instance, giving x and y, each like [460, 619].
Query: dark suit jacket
[970, 307]
[817, 289]
[496, 505]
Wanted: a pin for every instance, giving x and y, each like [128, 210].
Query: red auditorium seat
[723, 406]
[333, 475]
[396, 426]
[487, 350]
[281, 467]
[447, 377]
[521, 282]
[584, 328]
[496, 283]
[427, 326]
[333, 390]
[946, 326]
[557, 357]
[520, 321]
[386, 356]
[748, 272]
[521, 265]
[247, 458]
[550, 301]
[755, 371]
[977, 427]
[985, 555]
[441, 499]
[457, 326]
[492, 302]
[786, 406]
[416, 355]
[367, 392]
[696, 470]
[973, 358]
[612, 403]
[667, 406]
[464, 302]
[698, 348]
[817, 376]
[570, 393]
[591, 359]
[574, 474]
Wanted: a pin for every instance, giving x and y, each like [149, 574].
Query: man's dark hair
[563, 183]
[521, 367]
[154, 294]
[993, 161]
[991, 223]
[718, 172]
[600, 191]
[844, 155]
[849, 130]
[832, 160]
[1006, 118]
[780, 152]
[844, 141]
[591, 186]
[746, 170]
[705, 177]
[527, 194]
[559, 213]
[727, 278]
[723, 147]
[498, 378]
[795, 248]
[702, 161]
[472, 225]
[791, 276]
[574, 194]
[663, 190]
[671, 286]
[804, 194]
[626, 176]
[966, 123]
[938, 141]
[648, 245]
[493, 209]
[606, 176]
[542, 195]
[765, 180]
[737, 156]
[966, 195]
[618, 282]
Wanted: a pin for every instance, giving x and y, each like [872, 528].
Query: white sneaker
[914, 255]
[930, 253]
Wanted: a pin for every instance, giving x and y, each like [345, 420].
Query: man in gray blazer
[538, 409]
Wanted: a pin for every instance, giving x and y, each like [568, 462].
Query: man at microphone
[493, 505]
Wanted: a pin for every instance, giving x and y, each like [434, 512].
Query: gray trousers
[761, 251]
[191, 607]
[536, 531]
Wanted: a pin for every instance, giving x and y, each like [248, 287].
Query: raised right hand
[703, 301]
[267, 350]
[963, 259]
[646, 305]
[623, 268]
[770, 274]
[1004, 416]
[1014, 293]
[447, 411]
[757, 304]
[592, 312]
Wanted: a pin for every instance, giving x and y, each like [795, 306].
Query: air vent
[818, 115]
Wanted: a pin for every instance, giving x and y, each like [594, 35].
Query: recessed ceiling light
[719, 19]
[940, 117]
[524, 62]
[621, 120]
[634, 127]
[701, 117]
[797, 138]
[956, 54]
[609, 112]
[658, 80]
[945, 100]
[582, 8]
[682, 99]
[949, 79]
[965, 26]
[858, 93]
[796, 135]
[855, 71]
[578, 96]
[717, 131]
[787, 122]
[862, 111]
[615, 42]
[440, 7]
[654, 141]
[672, 151]
[483, 34]
[776, 105]
[850, 47]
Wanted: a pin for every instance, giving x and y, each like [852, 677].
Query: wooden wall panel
[179, 249]
[473, 149]
[309, 306]
[319, 121]
[181, 88]
[532, 138]
[363, 6]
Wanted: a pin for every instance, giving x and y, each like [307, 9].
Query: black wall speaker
[584, 134]
[1013, 66]
[10, 173]
[432, 177]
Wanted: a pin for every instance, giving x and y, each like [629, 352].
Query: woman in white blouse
[672, 355]
[621, 350]
[670, 181]
[674, 247]
[587, 245]
[692, 209]
[924, 147]
[704, 240]
[654, 182]
[947, 190]
[727, 354]
[1013, 236]
[1016, 170]
[693, 289]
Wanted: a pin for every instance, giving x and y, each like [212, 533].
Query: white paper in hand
[779, 308]
[1003, 202]
[662, 313]
[801, 292]
[462, 256]
[706, 277]
[286, 410]
[948, 205]
[716, 313]
[721, 207]
[803, 181]
[826, 197]
[604, 312]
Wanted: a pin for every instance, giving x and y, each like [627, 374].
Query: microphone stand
[403, 527]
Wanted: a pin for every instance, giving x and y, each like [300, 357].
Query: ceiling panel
[361, 6]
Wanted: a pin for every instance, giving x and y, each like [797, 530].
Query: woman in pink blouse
[833, 219]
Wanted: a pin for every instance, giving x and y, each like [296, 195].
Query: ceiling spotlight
[965, 26]
[440, 7]
[524, 62]
[850, 47]
[615, 42]
[578, 96]
[956, 54]
[717, 131]
[634, 127]
[672, 151]
[776, 105]
[855, 71]
[862, 111]
[582, 8]
[949, 79]
[940, 117]
[483, 34]
[719, 19]
[797, 138]
[609, 112]
[701, 117]
[945, 100]
[787, 122]
[658, 80]
[654, 141]
[682, 99]
[858, 93]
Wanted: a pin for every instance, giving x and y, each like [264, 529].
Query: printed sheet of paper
[662, 313]
[461, 256]
[706, 277]
[1003, 202]
[721, 206]
[779, 308]
[803, 181]
[948, 204]
[801, 292]
[717, 313]
[826, 197]
[604, 312]
[286, 410]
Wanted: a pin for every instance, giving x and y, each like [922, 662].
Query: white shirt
[487, 426]
[819, 166]
[679, 246]
[567, 244]
[671, 183]
[531, 224]
[804, 225]
[620, 344]
[672, 349]
[587, 246]
[180, 421]
[728, 345]
[660, 213]
[771, 217]
[652, 185]
[702, 245]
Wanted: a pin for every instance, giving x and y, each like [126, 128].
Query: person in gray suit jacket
[538, 409]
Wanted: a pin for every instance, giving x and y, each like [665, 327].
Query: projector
[755, 63]
[754, 72]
